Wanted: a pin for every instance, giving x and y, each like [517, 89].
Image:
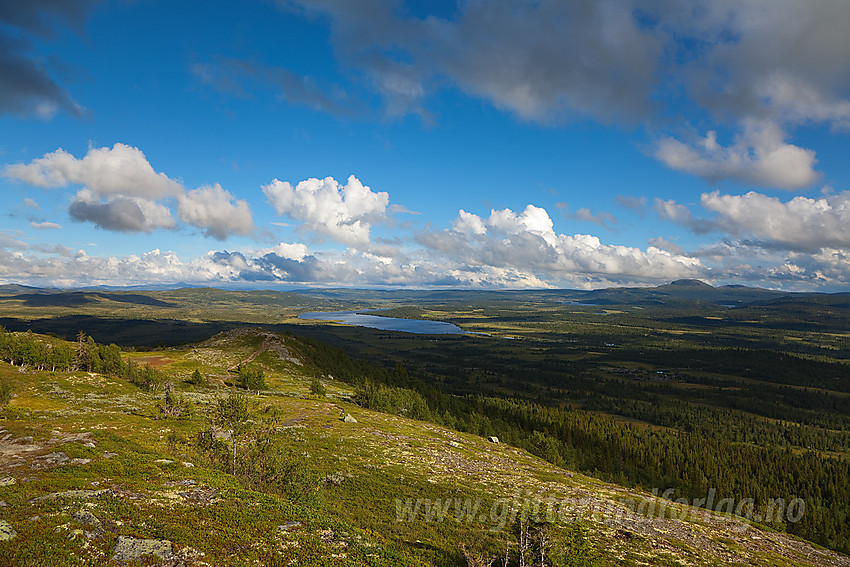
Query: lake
[361, 319]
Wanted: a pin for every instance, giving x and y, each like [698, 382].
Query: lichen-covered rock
[200, 496]
[288, 526]
[132, 549]
[72, 494]
[185, 482]
[86, 518]
[6, 531]
[51, 460]
[348, 418]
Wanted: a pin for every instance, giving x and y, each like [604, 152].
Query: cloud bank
[527, 242]
[796, 244]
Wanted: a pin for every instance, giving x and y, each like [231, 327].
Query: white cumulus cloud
[801, 223]
[120, 170]
[290, 250]
[468, 223]
[759, 156]
[214, 210]
[122, 192]
[344, 213]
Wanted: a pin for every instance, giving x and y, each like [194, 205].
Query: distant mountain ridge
[689, 290]
[678, 292]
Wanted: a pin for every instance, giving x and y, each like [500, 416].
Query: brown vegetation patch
[153, 361]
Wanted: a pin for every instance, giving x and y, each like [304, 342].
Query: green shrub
[197, 379]
[243, 445]
[317, 388]
[398, 401]
[251, 378]
[231, 411]
[145, 377]
[575, 549]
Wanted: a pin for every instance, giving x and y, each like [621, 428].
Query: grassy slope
[368, 466]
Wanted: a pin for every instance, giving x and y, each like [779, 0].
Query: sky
[388, 143]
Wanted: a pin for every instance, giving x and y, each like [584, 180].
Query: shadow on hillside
[123, 332]
[77, 298]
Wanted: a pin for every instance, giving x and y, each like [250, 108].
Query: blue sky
[428, 144]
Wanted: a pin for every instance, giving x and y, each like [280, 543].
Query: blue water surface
[385, 323]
